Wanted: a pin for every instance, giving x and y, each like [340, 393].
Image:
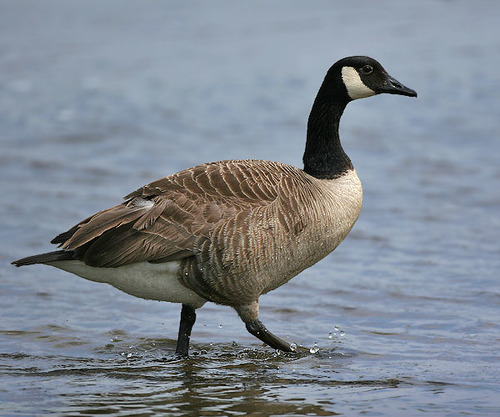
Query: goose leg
[188, 317]
[260, 331]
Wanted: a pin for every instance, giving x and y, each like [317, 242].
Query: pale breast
[307, 221]
[327, 210]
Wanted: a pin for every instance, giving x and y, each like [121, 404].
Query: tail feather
[43, 258]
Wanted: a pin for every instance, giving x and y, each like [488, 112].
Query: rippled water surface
[99, 98]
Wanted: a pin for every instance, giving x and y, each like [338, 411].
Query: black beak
[393, 86]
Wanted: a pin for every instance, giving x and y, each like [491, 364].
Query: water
[97, 99]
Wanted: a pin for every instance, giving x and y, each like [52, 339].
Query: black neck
[324, 157]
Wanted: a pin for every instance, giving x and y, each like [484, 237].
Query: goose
[229, 231]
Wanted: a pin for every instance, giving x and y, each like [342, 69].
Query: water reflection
[224, 381]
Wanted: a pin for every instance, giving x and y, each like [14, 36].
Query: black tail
[43, 258]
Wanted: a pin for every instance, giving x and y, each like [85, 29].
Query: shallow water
[97, 99]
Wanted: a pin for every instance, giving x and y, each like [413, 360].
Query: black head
[363, 77]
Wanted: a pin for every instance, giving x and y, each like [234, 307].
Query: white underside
[144, 280]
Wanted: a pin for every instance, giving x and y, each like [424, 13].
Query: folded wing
[171, 218]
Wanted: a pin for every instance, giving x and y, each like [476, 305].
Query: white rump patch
[143, 279]
[356, 88]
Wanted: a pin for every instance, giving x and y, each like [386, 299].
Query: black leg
[259, 330]
[188, 317]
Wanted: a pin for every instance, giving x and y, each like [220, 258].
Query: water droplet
[293, 346]
[336, 328]
[330, 335]
[220, 326]
[315, 348]
[129, 355]
[342, 333]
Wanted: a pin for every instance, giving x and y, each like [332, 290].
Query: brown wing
[170, 218]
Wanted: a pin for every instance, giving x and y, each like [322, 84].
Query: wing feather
[171, 218]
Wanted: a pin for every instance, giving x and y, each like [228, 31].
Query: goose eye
[367, 69]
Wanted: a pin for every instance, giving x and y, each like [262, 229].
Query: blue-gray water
[99, 98]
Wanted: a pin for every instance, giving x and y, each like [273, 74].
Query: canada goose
[230, 231]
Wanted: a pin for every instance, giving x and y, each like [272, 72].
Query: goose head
[349, 79]
[363, 77]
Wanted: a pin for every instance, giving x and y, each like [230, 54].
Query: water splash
[336, 332]
[315, 348]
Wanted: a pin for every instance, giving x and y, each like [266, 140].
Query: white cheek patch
[355, 87]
